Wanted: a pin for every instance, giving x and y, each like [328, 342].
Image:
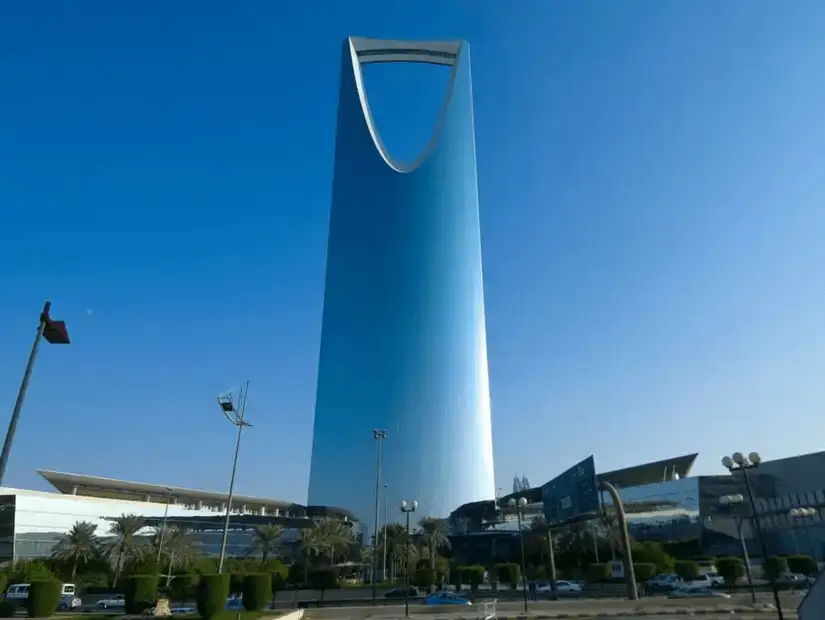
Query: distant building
[664, 504]
[33, 522]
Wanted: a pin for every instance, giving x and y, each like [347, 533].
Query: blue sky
[652, 177]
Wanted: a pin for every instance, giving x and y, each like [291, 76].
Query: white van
[68, 599]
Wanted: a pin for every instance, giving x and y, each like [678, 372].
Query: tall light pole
[236, 417]
[163, 525]
[55, 333]
[386, 514]
[519, 507]
[406, 509]
[737, 500]
[740, 462]
[379, 436]
[803, 514]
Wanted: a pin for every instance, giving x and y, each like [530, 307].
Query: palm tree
[266, 539]
[81, 544]
[179, 547]
[394, 537]
[333, 537]
[434, 533]
[310, 544]
[125, 543]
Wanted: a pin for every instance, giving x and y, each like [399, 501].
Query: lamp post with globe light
[407, 508]
[803, 514]
[740, 462]
[732, 501]
[519, 507]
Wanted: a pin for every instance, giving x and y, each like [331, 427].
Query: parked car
[19, 593]
[412, 591]
[791, 580]
[697, 592]
[68, 603]
[116, 601]
[664, 582]
[562, 587]
[446, 598]
[707, 580]
[234, 603]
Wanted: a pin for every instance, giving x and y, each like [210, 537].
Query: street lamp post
[407, 508]
[740, 462]
[803, 514]
[519, 507]
[379, 436]
[235, 417]
[55, 333]
[163, 525]
[738, 500]
[386, 515]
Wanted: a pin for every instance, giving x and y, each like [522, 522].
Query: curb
[733, 611]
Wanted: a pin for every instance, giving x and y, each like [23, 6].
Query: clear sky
[652, 177]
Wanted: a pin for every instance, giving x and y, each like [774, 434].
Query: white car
[68, 603]
[118, 601]
[19, 593]
[562, 587]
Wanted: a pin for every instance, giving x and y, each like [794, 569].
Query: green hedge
[44, 597]
[213, 590]
[508, 573]
[424, 577]
[774, 565]
[473, 575]
[598, 572]
[323, 579]
[730, 569]
[140, 592]
[644, 571]
[803, 564]
[687, 569]
[7, 609]
[257, 591]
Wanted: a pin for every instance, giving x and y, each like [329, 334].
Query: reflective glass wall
[403, 344]
[663, 511]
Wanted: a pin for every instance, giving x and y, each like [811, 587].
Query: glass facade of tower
[403, 344]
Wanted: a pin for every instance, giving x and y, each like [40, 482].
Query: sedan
[562, 587]
[446, 598]
[118, 601]
[412, 592]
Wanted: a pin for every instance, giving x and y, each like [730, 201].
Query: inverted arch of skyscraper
[403, 344]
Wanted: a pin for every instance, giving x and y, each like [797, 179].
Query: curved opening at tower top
[405, 100]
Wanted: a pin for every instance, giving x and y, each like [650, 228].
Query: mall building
[33, 522]
[664, 503]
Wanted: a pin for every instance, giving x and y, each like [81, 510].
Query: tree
[730, 569]
[266, 539]
[80, 544]
[434, 533]
[332, 537]
[125, 544]
[179, 548]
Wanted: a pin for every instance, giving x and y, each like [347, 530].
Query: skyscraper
[403, 343]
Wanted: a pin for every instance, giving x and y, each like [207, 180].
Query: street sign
[812, 606]
[573, 495]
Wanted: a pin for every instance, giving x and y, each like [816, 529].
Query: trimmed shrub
[773, 566]
[597, 573]
[730, 569]
[44, 597]
[803, 564]
[184, 587]
[257, 590]
[473, 575]
[7, 609]
[423, 577]
[140, 592]
[687, 569]
[323, 579]
[4, 581]
[236, 582]
[457, 574]
[652, 553]
[509, 573]
[644, 571]
[213, 590]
